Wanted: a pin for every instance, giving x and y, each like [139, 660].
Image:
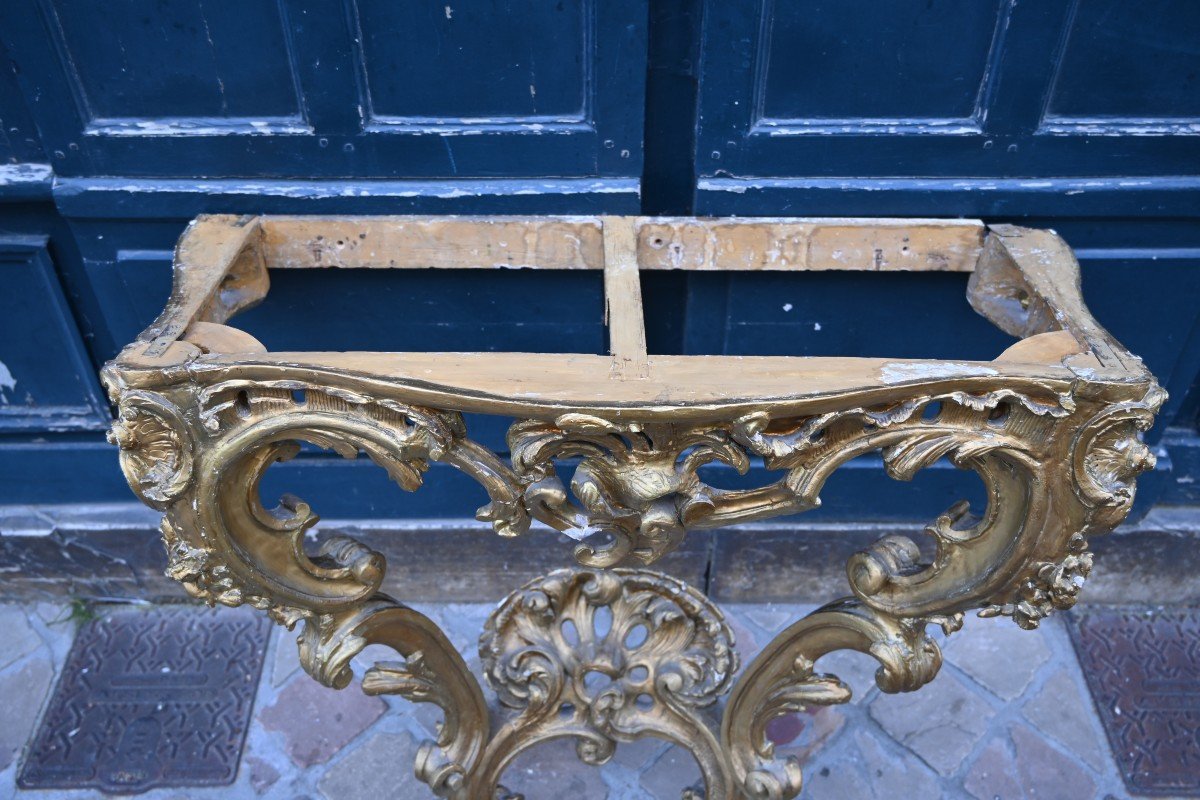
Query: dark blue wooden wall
[121, 121]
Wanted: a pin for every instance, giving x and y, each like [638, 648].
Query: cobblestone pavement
[1008, 717]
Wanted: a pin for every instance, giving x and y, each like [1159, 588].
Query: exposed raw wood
[218, 272]
[831, 244]
[433, 242]
[623, 299]
[1042, 348]
[541, 384]
[662, 243]
[213, 338]
[1028, 282]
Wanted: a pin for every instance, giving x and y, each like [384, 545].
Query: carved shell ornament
[156, 447]
[1108, 454]
[636, 482]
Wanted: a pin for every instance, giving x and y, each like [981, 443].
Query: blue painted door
[120, 121]
[1002, 97]
[313, 88]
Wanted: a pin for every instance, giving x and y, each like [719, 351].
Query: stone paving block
[428, 716]
[24, 688]
[52, 613]
[461, 622]
[639, 754]
[262, 775]
[774, 617]
[836, 782]
[745, 639]
[53, 622]
[993, 776]
[1024, 766]
[843, 755]
[940, 723]
[674, 771]
[552, 771]
[1062, 711]
[1045, 772]
[998, 654]
[20, 639]
[286, 659]
[316, 721]
[866, 768]
[381, 767]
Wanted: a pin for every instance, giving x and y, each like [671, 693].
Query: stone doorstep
[113, 552]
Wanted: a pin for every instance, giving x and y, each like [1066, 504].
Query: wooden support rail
[623, 300]
[662, 243]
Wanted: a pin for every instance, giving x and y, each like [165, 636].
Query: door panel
[46, 381]
[511, 62]
[18, 138]
[1137, 61]
[318, 89]
[792, 91]
[864, 60]
[180, 61]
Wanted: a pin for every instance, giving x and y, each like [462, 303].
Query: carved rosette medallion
[605, 657]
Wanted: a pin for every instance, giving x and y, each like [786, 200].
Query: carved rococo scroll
[199, 453]
[604, 654]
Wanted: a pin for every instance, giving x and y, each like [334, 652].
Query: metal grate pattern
[1143, 670]
[151, 698]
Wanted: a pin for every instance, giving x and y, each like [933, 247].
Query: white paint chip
[787, 306]
[7, 382]
[449, 12]
[900, 372]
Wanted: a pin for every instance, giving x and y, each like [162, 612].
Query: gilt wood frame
[1051, 426]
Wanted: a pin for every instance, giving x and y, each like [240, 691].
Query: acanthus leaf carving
[1106, 456]
[638, 482]
[432, 672]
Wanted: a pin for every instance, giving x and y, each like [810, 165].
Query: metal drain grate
[151, 698]
[1143, 669]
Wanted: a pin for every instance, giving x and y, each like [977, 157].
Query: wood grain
[623, 300]
[879, 245]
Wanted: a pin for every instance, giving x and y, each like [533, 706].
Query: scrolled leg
[783, 679]
[226, 547]
[433, 672]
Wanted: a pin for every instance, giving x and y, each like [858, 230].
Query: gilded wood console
[1051, 426]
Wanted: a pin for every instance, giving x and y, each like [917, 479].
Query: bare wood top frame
[1051, 426]
[1025, 281]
